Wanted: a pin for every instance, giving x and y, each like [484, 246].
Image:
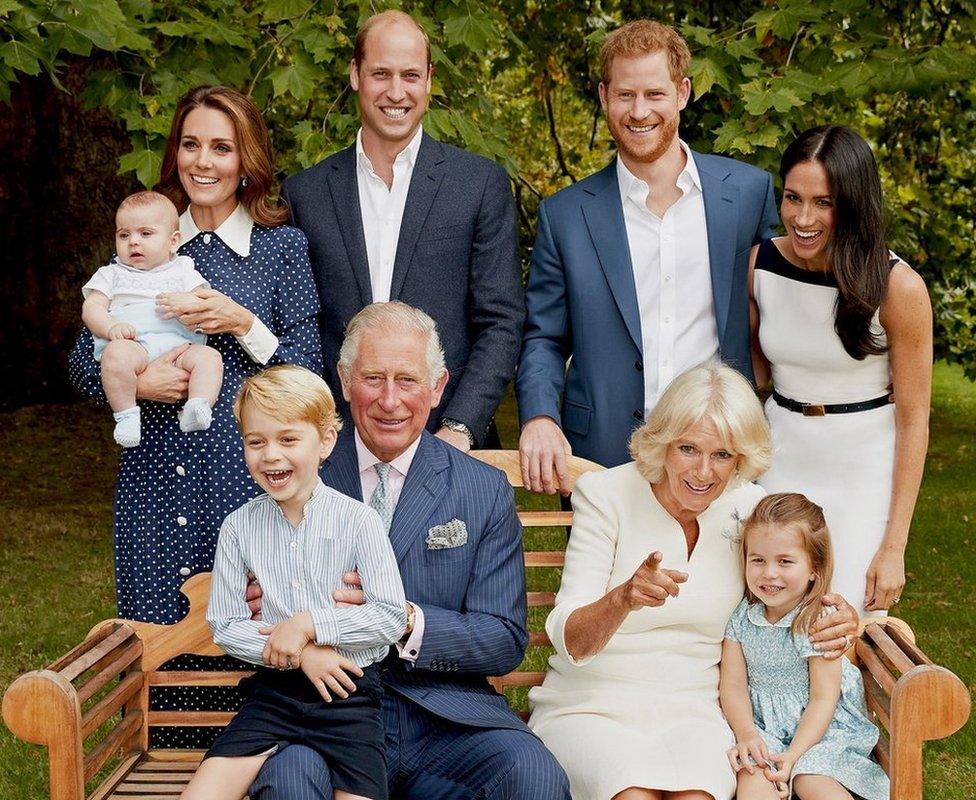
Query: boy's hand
[329, 672]
[122, 330]
[286, 640]
[754, 746]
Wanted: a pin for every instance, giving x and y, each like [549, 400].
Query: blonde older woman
[630, 703]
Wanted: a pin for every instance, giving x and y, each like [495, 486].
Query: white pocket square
[450, 534]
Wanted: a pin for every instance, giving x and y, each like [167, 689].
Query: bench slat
[112, 702]
[203, 719]
[545, 558]
[874, 666]
[545, 519]
[110, 672]
[99, 651]
[907, 645]
[180, 678]
[889, 648]
[878, 703]
[82, 647]
[536, 599]
[98, 757]
[120, 772]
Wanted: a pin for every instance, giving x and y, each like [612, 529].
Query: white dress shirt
[369, 480]
[381, 208]
[235, 232]
[669, 256]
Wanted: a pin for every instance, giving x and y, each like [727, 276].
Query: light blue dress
[779, 689]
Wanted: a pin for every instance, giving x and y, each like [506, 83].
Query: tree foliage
[517, 81]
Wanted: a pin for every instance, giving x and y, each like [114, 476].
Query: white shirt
[381, 209]
[369, 480]
[669, 256]
[235, 231]
[298, 568]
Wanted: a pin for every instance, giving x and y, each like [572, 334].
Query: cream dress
[645, 710]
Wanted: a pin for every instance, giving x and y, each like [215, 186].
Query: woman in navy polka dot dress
[175, 488]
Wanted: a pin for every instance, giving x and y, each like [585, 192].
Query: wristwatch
[459, 427]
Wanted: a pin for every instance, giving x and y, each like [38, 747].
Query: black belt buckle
[813, 410]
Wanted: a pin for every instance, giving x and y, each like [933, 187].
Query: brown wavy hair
[643, 37]
[806, 518]
[254, 147]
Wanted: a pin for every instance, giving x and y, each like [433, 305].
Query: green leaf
[275, 10]
[145, 163]
[758, 100]
[473, 29]
[297, 79]
[318, 43]
[787, 20]
[21, 57]
[698, 34]
[8, 7]
[705, 73]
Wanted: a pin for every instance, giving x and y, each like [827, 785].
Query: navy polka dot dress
[174, 489]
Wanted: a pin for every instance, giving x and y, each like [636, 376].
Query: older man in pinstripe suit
[458, 543]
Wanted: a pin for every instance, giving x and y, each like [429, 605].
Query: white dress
[644, 711]
[843, 462]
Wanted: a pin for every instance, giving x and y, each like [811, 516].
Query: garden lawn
[56, 559]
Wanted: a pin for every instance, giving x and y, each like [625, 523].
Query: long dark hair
[857, 253]
[254, 146]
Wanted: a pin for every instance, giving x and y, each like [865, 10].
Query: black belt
[818, 410]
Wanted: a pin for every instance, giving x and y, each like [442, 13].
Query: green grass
[56, 559]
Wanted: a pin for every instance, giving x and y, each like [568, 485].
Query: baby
[120, 311]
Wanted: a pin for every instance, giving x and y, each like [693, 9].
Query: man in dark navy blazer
[458, 542]
[401, 216]
[639, 272]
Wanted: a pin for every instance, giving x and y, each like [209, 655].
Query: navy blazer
[456, 258]
[582, 302]
[472, 596]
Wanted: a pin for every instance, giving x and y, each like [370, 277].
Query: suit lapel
[424, 182]
[604, 216]
[345, 200]
[341, 468]
[422, 492]
[721, 220]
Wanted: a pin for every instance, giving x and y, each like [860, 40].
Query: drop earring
[244, 182]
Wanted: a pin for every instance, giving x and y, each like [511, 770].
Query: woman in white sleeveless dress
[844, 328]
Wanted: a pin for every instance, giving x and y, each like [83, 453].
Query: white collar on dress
[757, 616]
[235, 231]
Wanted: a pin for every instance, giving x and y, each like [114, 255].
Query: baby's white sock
[196, 415]
[128, 427]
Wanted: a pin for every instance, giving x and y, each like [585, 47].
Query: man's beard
[653, 148]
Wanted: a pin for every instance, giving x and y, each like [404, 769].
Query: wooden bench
[90, 708]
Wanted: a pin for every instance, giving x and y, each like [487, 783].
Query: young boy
[298, 539]
[120, 311]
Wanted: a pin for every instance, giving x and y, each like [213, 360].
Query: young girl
[800, 717]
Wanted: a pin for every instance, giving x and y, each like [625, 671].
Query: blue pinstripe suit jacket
[472, 596]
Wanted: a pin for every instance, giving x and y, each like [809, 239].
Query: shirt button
[181, 521]
[667, 278]
[180, 470]
[639, 366]
[294, 545]
[206, 238]
[296, 584]
[184, 571]
[667, 320]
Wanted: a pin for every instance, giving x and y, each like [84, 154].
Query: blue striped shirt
[299, 568]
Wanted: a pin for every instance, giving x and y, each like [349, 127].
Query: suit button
[639, 415]
[639, 366]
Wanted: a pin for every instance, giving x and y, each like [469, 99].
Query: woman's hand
[885, 579]
[834, 633]
[650, 585]
[163, 381]
[749, 750]
[205, 311]
[329, 672]
[286, 640]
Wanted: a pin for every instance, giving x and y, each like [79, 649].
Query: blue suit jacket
[582, 302]
[472, 596]
[456, 258]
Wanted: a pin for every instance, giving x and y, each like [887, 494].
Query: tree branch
[563, 166]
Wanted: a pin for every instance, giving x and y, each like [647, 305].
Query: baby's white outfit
[132, 298]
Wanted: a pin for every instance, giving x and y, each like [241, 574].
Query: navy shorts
[282, 708]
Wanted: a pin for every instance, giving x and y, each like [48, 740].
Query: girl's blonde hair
[806, 519]
[289, 393]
